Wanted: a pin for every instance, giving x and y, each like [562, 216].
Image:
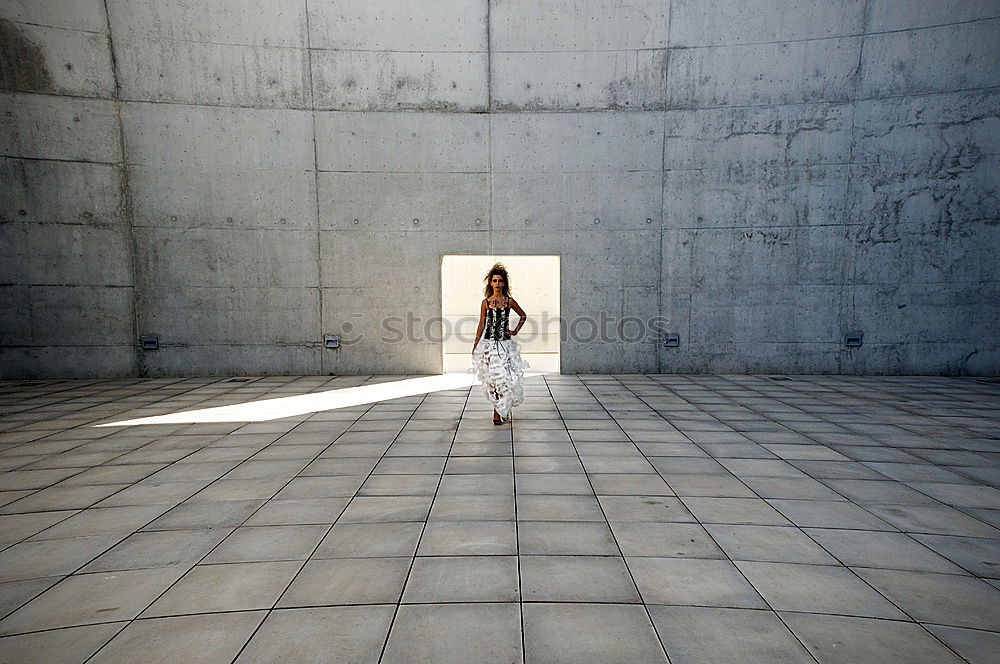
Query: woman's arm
[520, 312]
[482, 322]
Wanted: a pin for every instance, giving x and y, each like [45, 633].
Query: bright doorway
[534, 282]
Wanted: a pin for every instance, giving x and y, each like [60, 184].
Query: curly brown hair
[497, 268]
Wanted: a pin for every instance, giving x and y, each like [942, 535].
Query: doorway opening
[534, 282]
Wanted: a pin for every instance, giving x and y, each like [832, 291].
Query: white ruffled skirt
[498, 365]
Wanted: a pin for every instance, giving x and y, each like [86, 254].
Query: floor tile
[943, 599]
[769, 543]
[858, 548]
[267, 543]
[657, 509]
[308, 635]
[577, 579]
[225, 587]
[40, 558]
[976, 646]
[589, 634]
[559, 508]
[195, 515]
[205, 639]
[365, 509]
[817, 589]
[734, 511]
[462, 579]
[69, 645]
[91, 598]
[977, 555]
[565, 538]
[846, 640]
[680, 581]
[630, 484]
[347, 581]
[829, 514]
[553, 483]
[701, 635]
[933, 520]
[16, 593]
[468, 538]
[665, 540]
[370, 540]
[455, 633]
[156, 549]
[473, 508]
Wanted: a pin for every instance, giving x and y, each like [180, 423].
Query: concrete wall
[242, 177]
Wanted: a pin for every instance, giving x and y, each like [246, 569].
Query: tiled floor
[617, 518]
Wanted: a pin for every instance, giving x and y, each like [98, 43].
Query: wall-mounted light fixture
[671, 341]
[331, 341]
[852, 340]
[149, 342]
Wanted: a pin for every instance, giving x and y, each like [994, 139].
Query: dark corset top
[496, 321]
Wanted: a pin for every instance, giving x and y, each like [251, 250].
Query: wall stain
[22, 63]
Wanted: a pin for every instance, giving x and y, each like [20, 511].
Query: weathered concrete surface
[242, 178]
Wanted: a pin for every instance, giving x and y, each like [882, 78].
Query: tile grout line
[423, 527]
[607, 522]
[798, 528]
[216, 546]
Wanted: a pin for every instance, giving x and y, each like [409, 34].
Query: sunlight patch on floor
[264, 410]
[273, 409]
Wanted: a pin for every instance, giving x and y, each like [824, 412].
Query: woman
[496, 358]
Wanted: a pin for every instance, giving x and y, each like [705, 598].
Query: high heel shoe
[496, 419]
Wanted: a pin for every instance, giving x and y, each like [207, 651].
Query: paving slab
[665, 540]
[459, 633]
[859, 548]
[85, 599]
[615, 515]
[40, 558]
[17, 593]
[156, 549]
[268, 543]
[977, 646]
[577, 579]
[462, 579]
[590, 634]
[565, 538]
[693, 582]
[307, 635]
[343, 581]
[979, 556]
[943, 599]
[817, 589]
[700, 635]
[769, 544]
[225, 587]
[845, 639]
[69, 645]
[465, 538]
[203, 639]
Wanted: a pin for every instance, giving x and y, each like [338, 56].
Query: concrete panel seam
[489, 76]
[863, 33]
[127, 213]
[847, 291]
[56, 159]
[57, 27]
[319, 241]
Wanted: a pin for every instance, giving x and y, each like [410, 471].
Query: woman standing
[496, 357]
